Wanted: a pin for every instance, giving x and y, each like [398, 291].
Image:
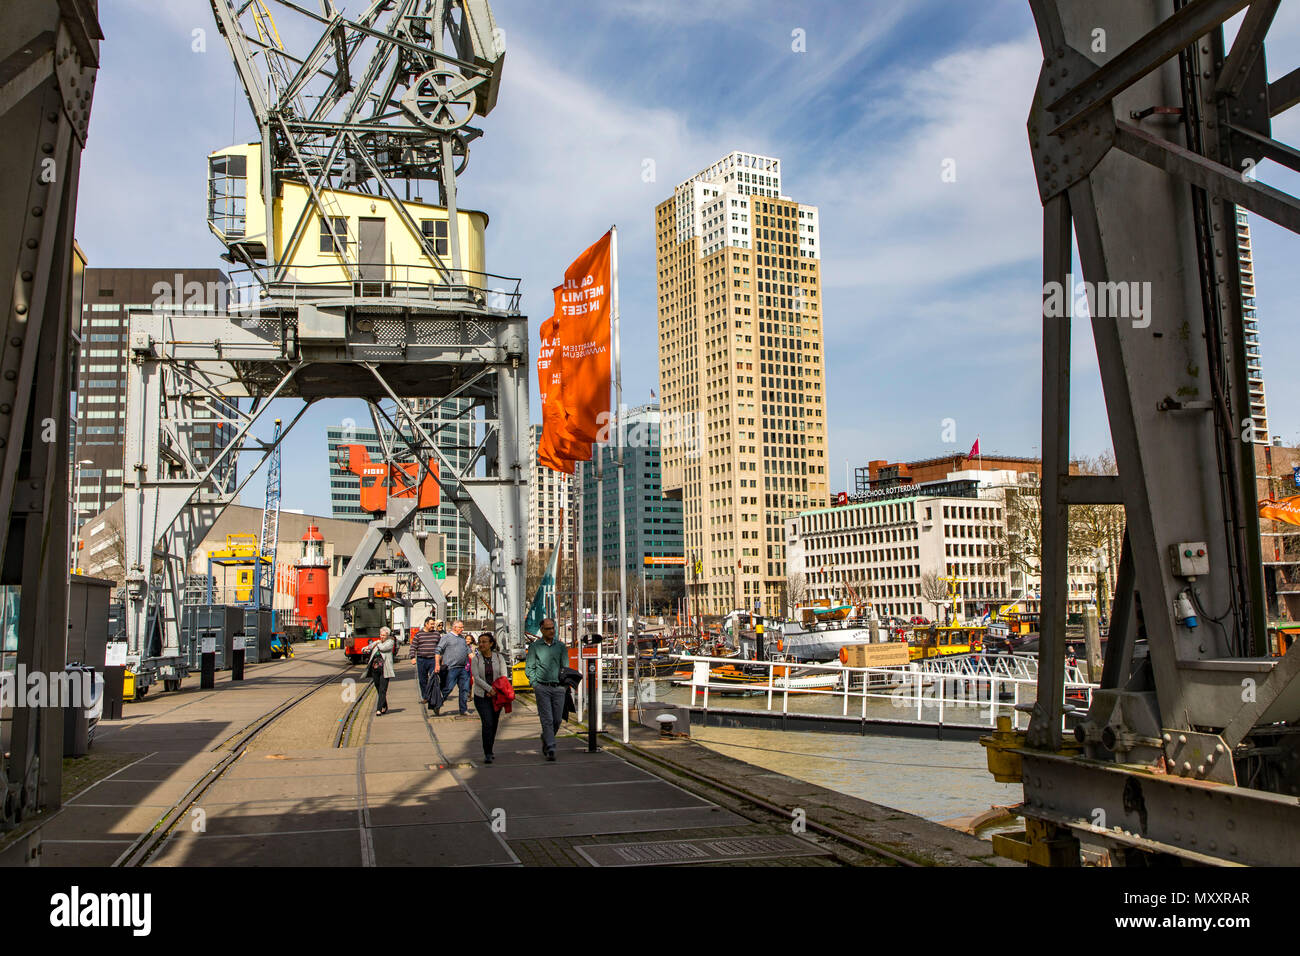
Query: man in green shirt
[546, 660]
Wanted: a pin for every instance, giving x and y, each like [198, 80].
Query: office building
[454, 438]
[1254, 370]
[549, 503]
[100, 416]
[652, 522]
[881, 546]
[742, 373]
[878, 475]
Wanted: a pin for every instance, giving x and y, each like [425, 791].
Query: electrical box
[1190, 559]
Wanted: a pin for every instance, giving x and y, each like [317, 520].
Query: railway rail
[139, 852]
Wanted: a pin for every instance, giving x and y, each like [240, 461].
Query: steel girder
[395, 525]
[1197, 821]
[1142, 125]
[49, 56]
[340, 347]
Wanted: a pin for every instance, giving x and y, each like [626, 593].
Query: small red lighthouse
[313, 579]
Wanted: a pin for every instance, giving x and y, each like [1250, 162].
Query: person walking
[453, 661]
[543, 667]
[486, 665]
[380, 667]
[424, 652]
[466, 681]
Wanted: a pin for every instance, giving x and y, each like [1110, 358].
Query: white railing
[957, 693]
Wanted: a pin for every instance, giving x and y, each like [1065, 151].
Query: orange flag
[1284, 509]
[557, 450]
[582, 309]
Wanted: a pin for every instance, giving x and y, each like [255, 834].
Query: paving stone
[444, 845]
[380, 786]
[319, 849]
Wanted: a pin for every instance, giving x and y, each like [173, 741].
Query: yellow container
[518, 679]
[128, 685]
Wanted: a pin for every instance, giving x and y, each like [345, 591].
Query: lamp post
[75, 508]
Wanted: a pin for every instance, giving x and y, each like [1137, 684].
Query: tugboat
[953, 637]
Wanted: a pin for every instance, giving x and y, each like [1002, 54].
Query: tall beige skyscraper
[742, 375]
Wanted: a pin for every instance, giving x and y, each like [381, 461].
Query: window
[435, 230]
[227, 190]
[327, 243]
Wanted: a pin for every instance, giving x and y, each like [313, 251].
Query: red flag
[582, 307]
[974, 449]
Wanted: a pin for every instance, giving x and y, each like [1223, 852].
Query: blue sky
[931, 288]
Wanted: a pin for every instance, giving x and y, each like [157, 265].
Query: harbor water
[936, 779]
[939, 780]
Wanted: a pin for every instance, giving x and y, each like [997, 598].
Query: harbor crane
[1145, 130]
[350, 285]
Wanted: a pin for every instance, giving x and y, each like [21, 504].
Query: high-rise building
[652, 524]
[101, 419]
[1254, 371]
[742, 368]
[453, 437]
[549, 503]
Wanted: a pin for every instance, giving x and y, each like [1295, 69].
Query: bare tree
[934, 590]
[796, 591]
[1093, 532]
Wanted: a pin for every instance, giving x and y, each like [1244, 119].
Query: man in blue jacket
[543, 667]
[453, 660]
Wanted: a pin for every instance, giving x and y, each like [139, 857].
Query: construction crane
[270, 528]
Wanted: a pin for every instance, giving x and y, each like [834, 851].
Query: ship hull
[819, 646]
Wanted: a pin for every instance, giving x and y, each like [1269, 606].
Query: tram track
[343, 737]
[747, 801]
[139, 852]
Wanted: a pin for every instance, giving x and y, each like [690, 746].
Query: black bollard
[208, 663]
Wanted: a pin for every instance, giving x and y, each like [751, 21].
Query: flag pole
[600, 542]
[622, 531]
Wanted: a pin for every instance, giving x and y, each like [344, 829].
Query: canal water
[936, 779]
